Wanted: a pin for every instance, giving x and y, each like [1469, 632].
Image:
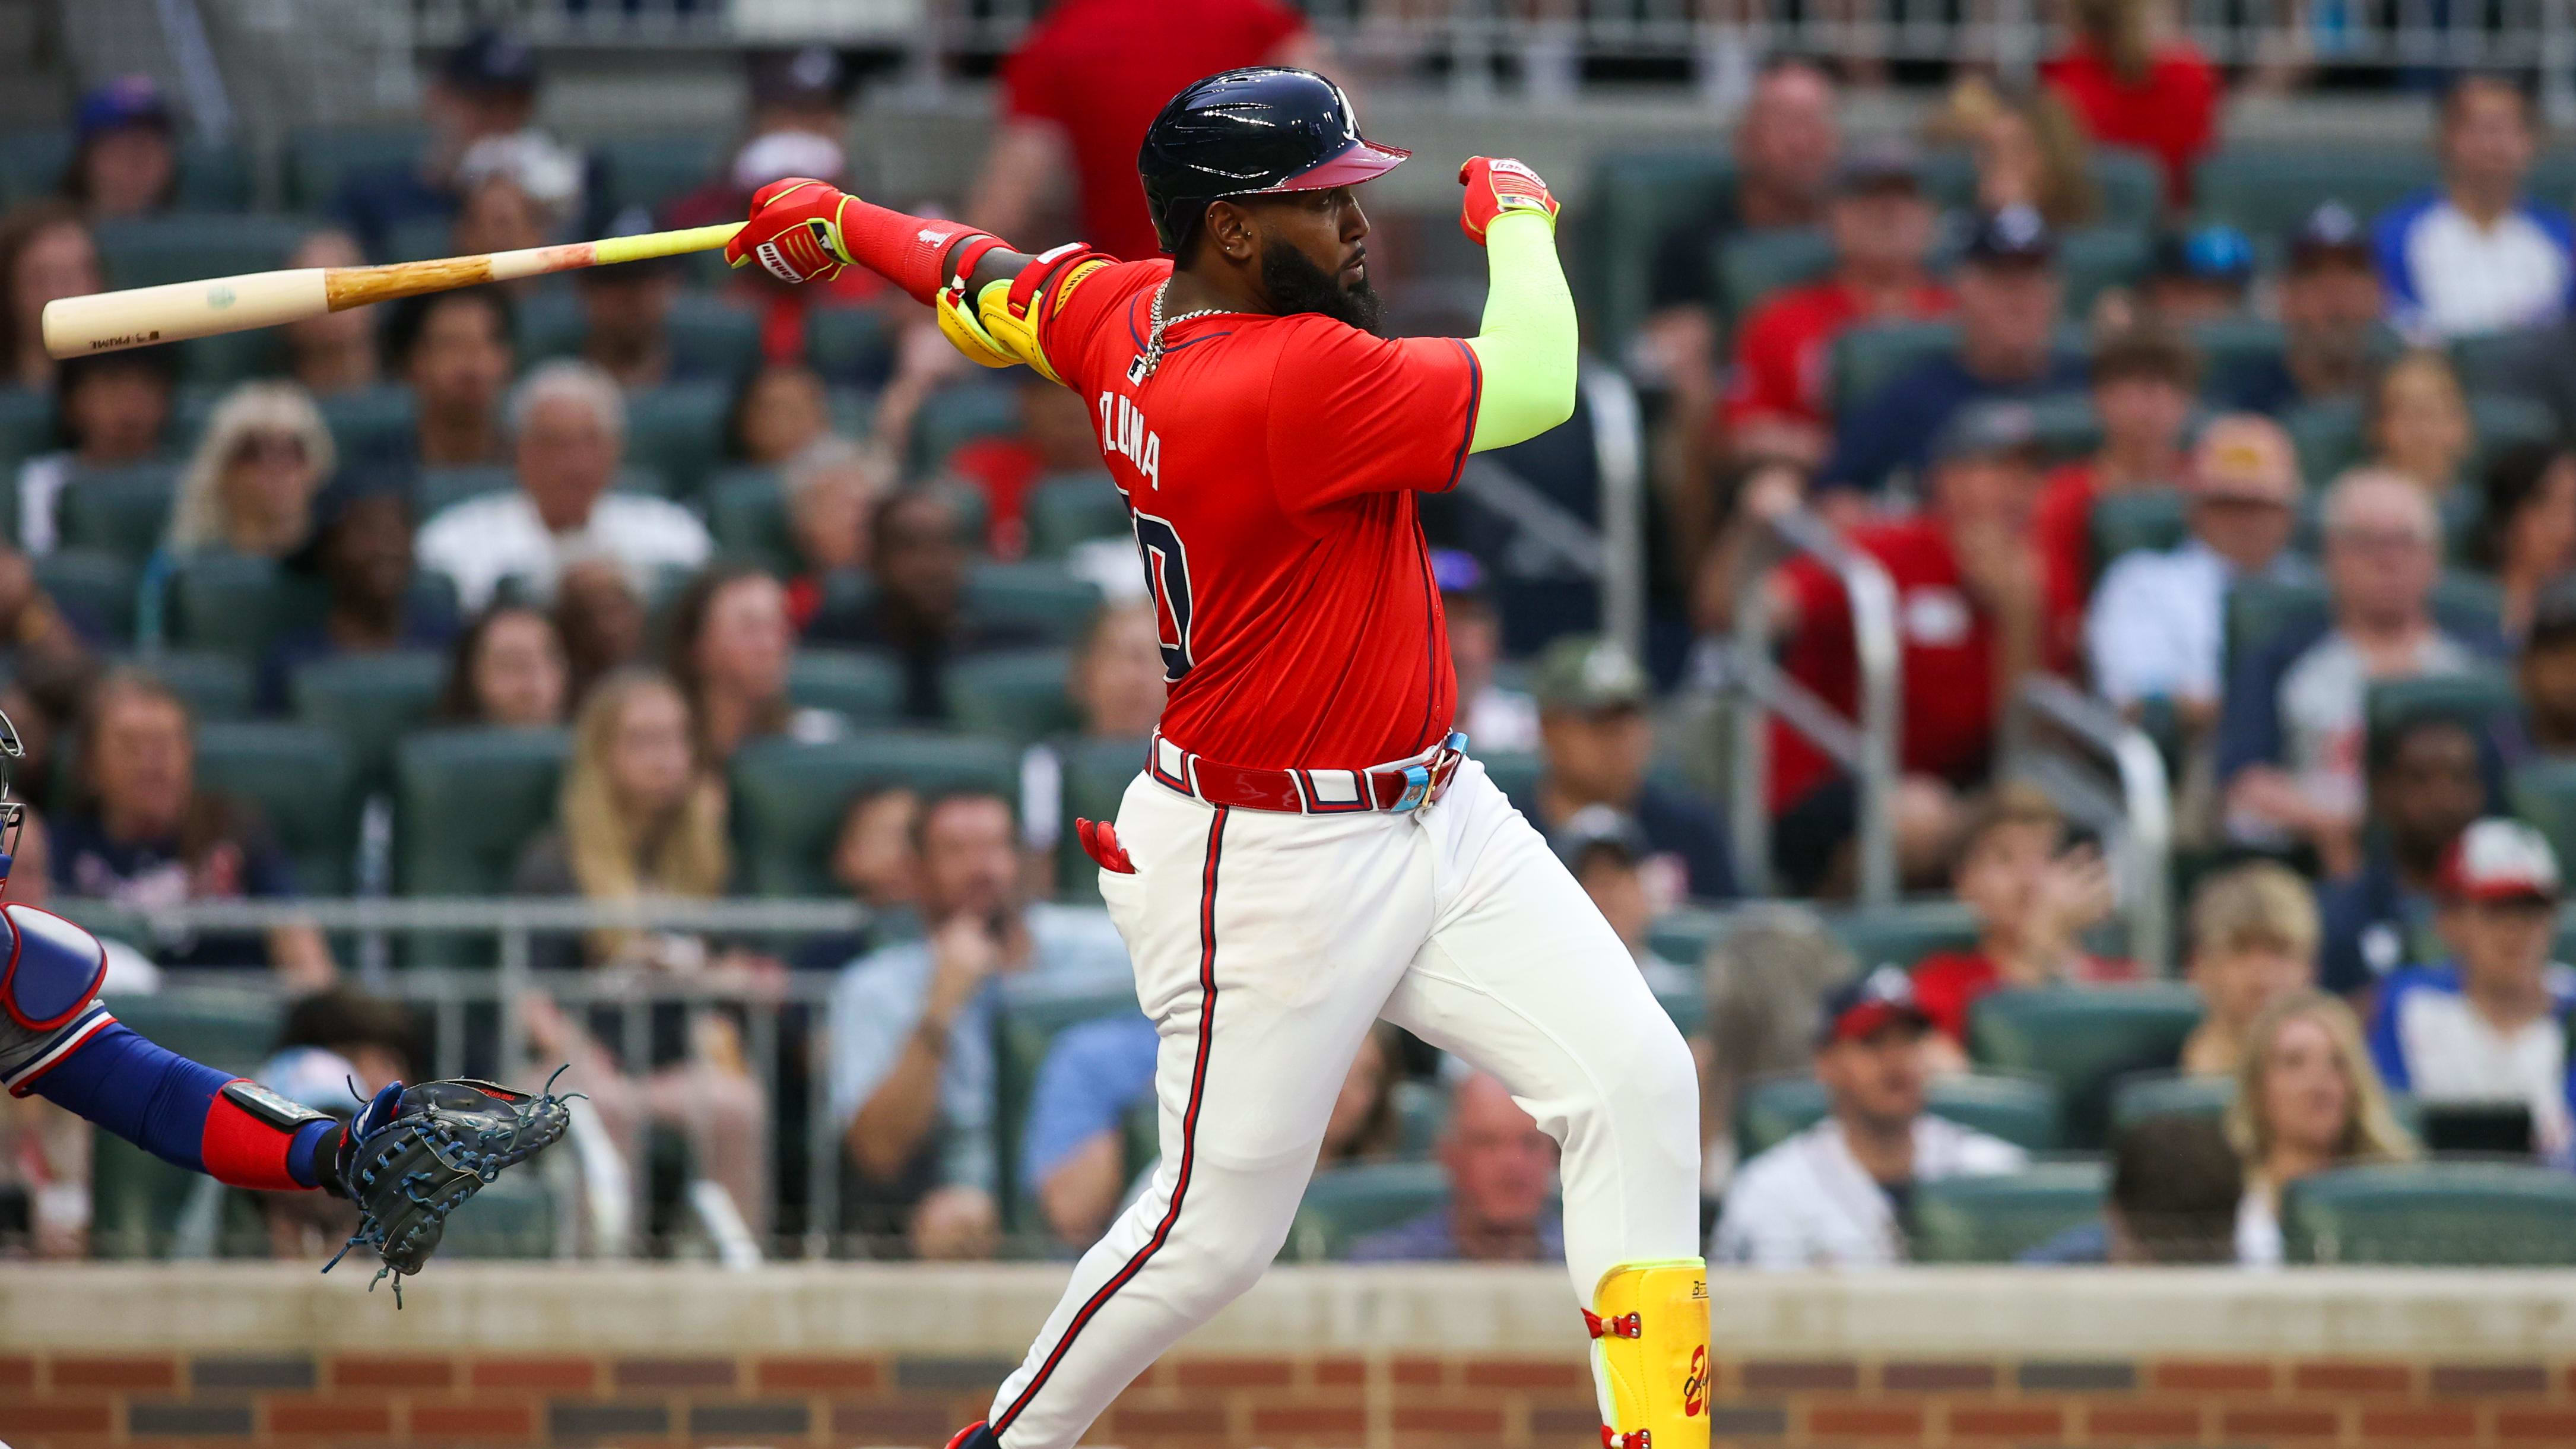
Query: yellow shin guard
[1650, 1354]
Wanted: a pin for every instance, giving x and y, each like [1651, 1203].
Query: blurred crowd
[2301, 505]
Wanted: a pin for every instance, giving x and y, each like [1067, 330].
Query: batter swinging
[1308, 848]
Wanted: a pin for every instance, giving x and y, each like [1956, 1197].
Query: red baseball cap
[1862, 1008]
[2500, 860]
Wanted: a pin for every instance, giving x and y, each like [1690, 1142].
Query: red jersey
[2171, 112]
[1101, 69]
[1269, 467]
[1945, 650]
[1947, 983]
[1784, 356]
[2061, 525]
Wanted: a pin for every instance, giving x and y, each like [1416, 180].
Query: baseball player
[408, 1159]
[1309, 848]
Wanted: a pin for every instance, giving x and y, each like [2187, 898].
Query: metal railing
[2107, 775]
[1865, 747]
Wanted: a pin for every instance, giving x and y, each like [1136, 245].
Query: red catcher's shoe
[975, 1436]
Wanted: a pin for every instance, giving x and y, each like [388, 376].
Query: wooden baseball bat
[143, 316]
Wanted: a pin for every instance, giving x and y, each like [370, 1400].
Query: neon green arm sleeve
[1527, 346]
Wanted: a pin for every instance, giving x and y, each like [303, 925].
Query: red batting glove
[794, 231]
[1496, 186]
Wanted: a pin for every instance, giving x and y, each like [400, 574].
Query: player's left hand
[794, 232]
[1496, 186]
[413, 1155]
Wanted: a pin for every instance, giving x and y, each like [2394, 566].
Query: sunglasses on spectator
[269, 447]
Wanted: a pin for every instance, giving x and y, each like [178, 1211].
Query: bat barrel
[144, 316]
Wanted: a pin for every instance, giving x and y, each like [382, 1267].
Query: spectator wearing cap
[568, 428]
[1078, 92]
[2330, 302]
[2175, 1196]
[1501, 1169]
[2290, 733]
[1974, 616]
[2492, 1023]
[2033, 895]
[1841, 1193]
[125, 158]
[2134, 80]
[2526, 534]
[626, 322]
[2253, 941]
[1778, 390]
[2143, 380]
[2545, 673]
[2476, 254]
[2427, 783]
[1595, 742]
[484, 90]
[1606, 854]
[454, 351]
[2156, 628]
[361, 552]
[2307, 1101]
[2008, 290]
[1494, 717]
[2200, 275]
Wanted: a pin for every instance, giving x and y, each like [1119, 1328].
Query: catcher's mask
[13, 814]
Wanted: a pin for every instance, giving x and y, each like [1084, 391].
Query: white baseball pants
[1265, 944]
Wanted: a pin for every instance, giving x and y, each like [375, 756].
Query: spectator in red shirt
[2136, 83]
[1779, 390]
[1973, 617]
[2033, 896]
[1054, 436]
[1079, 91]
[2143, 384]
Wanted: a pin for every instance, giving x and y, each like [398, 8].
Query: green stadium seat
[32, 163]
[2479, 698]
[2130, 522]
[788, 797]
[230, 357]
[2258, 613]
[1751, 265]
[1514, 772]
[1038, 594]
[216, 686]
[2132, 185]
[1016, 694]
[1997, 1219]
[1902, 934]
[2266, 190]
[1023, 1030]
[2094, 259]
[421, 239]
[2020, 1110]
[232, 1029]
[93, 585]
[710, 336]
[747, 513]
[122, 510]
[1685, 1002]
[1069, 508]
[1096, 776]
[467, 801]
[237, 604]
[2328, 438]
[441, 488]
[2083, 1038]
[2066, 425]
[305, 784]
[213, 177]
[26, 429]
[2451, 1214]
[320, 158]
[2141, 1095]
[955, 416]
[1634, 199]
[849, 345]
[369, 701]
[677, 430]
[649, 170]
[2231, 346]
[2543, 792]
[513, 1217]
[861, 685]
[1686, 934]
[136, 1199]
[187, 247]
[374, 420]
[1866, 358]
[1344, 1204]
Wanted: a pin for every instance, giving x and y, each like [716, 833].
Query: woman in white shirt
[2307, 1100]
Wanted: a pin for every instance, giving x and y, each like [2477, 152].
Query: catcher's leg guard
[1649, 1325]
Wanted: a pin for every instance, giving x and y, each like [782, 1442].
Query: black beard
[1296, 285]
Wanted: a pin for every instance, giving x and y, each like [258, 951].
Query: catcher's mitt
[415, 1154]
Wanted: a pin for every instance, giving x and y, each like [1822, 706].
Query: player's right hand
[1496, 187]
[794, 232]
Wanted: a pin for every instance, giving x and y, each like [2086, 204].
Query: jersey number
[1167, 577]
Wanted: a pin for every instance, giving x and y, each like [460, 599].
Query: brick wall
[164, 1355]
[1335, 1402]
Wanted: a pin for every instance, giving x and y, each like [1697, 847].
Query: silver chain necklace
[1153, 357]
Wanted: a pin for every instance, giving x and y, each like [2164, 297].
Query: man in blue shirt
[2009, 292]
[1501, 1171]
[2475, 255]
[2426, 785]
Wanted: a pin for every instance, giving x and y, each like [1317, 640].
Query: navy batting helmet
[1263, 128]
